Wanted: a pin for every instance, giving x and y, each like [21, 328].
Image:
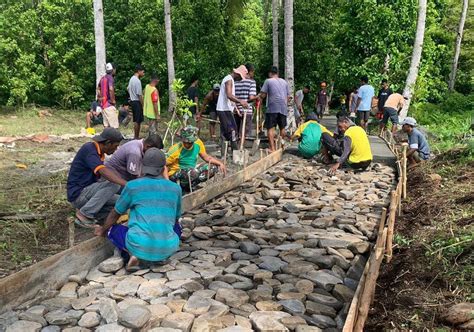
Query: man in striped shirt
[245, 89]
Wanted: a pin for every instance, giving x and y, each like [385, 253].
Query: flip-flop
[84, 224]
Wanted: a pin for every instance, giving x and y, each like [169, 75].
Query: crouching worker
[309, 134]
[418, 145]
[182, 161]
[352, 146]
[93, 199]
[153, 231]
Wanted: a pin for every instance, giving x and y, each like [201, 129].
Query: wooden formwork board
[54, 271]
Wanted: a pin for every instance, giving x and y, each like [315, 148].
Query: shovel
[256, 143]
[241, 156]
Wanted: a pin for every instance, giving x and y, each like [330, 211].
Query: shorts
[275, 119]
[363, 115]
[110, 117]
[390, 113]
[213, 116]
[228, 126]
[137, 110]
[97, 120]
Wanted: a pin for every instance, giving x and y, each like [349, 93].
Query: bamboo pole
[391, 223]
[71, 232]
[404, 170]
[353, 310]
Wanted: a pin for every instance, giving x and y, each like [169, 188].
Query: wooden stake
[391, 223]
[208, 171]
[190, 184]
[72, 230]
[404, 170]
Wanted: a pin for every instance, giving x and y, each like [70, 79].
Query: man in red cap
[227, 103]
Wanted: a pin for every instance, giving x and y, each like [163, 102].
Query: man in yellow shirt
[151, 104]
[353, 147]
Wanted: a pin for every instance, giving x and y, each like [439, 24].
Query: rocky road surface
[282, 252]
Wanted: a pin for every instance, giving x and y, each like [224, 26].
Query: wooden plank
[391, 223]
[54, 271]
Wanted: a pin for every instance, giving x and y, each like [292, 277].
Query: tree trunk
[266, 9]
[415, 57]
[275, 18]
[457, 50]
[289, 59]
[386, 64]
[169, 54]
[99, 40]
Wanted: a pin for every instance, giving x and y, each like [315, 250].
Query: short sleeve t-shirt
[155, 206]
[383, 96]
[245, 89]
[310, 133]
[299, 97]
[278, 91]
[83, 172]
[366, 93]
[224, 103]
[180, 158]
[127, 160]
[417, 141]
[192, 93]
[105, 84]
[134, 88]
[322, 97]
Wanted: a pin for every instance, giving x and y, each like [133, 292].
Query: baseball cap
[153, 161]
[189, 134]
[409, 121]
[242, 71]
[109, 66]
[109, 134]
[216, 86]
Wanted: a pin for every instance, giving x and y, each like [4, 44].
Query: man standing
[364, 102]
[384, 92]
[134, 89]
[151, 104]
[393, 106]
[93, 199]
[106, 97]
[127, 161]
[321, 101]
[210, 101]
[226, 105]
[245, 90]
[299, 97]
[353, 103]
[277, 92]
[193, 95]
[418, 145]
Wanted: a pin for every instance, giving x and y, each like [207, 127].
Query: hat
[409, 121]
[153, 161]
[216, 86]
[189, 134]
[242, 71]
[109, 66]
[109, 134]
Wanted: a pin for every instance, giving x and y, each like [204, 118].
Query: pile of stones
[282, 252]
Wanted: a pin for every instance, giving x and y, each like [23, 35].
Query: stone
[307, 328]
[243, 322]
[266, 321]
[248, 210]
[82, 302]
[261, 275]
[268, 306]
[75, 314]
[158, 311]
[235, 329]
[89, 319]
[38, 310]
[304, 286]
[152, 288]
[292, 322]
[128, 286]
[197, 305]
[108, 309]
[291, 208]
[249, 247]
[216, 285]
[326, 300]
[135, 316]
[232, 297]
[182, 274]
[51, 328]
[69, 290]
[96, 275]
[293, 306]
[181, 321]
[176, 305]
[111, 265]
[127, 302]
[79, 278]
[289, 246]
[207, 293]
[58, 317]
[323, 279]
[291, 296]
[359, 247]
[271, 263]
[323, 321]
[458, 313]
[257, 295]
[347, 194]
[76, 329]
[343, 293]
[320, 309]
[202, 232]
[113, 327]
[23, 325]
[33, 318]
[269, 252]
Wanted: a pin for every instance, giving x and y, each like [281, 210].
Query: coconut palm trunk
[99, 40]
[275, 18]
[289, 58]
[169, 54]
[415, 57]
[457, 50]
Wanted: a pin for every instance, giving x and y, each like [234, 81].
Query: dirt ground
[432, 267]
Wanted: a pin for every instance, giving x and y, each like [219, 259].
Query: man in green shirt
[151, 104]
[309, 134]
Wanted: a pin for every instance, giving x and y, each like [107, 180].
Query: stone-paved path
[282, 252]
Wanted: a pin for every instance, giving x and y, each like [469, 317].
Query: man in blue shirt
[93, 199]
[364, 102]
[155, 207]
[418, 145]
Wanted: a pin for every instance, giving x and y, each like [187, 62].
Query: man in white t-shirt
[226, 105]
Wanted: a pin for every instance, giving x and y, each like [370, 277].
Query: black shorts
[363, 115]
[213, 115]
[275, 119]
[137, 111]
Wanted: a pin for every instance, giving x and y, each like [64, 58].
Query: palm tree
[415, 57]
[457, 50]
[99, 40]
[169, 54]
[275, 17]
[289, 59]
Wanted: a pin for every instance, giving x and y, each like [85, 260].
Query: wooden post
[404, 170]
[382, 223]
[71, 232]
[391, 223]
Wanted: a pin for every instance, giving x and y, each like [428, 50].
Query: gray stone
[249, 248]
[37, 310]
[182, 274]
[326, 300]
[323, 279]
[347, 194]
[293, 306]
[111, 265]
[291, 208]
[323, 261]
[33, 318]
[51, 328]
[269, 252]
[75, 314]
[179, 320]
[289, 246]
[82, 302]
[152, 288]
[58, 317]
[268, 320]
[135, 316]
[128, 286]
[351, 283]
[232, 297]
[23, 325]
[89, 319]
[343, 293]
[307, 328]
[271, 263]
[320, 309]
[216, 285]
[304, 286]
[323, 321]
[108, 310]
[96, 275]
[197, 305]
[113, 327]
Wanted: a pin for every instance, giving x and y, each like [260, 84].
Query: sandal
[85, 224]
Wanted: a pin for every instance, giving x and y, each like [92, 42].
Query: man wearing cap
[309, 135]
[353, 148]
[392, 107]
[182, 160]
[208, 106]
[134, 89]
[93, 199]
[106, 97]
[151, 104]
[155, 207]
[226, 104]
[321, 101]
[245, 89]
[127, 160]
[364, 102]
[277, 92]
[418, 145]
